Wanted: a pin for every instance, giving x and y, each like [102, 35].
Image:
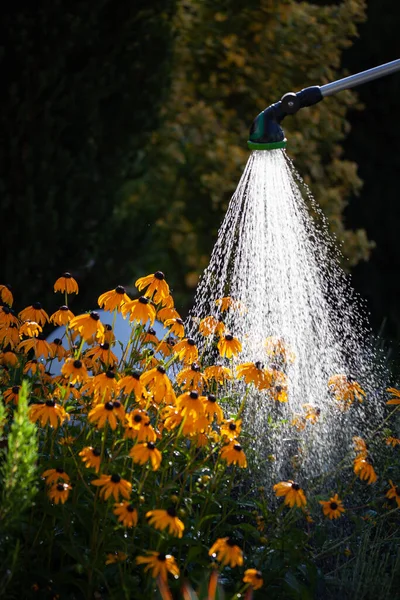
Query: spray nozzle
[266, 132]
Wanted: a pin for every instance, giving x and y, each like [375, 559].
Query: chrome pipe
[348, 82]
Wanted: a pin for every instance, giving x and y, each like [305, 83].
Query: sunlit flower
[39, 345]
[360, 446]
[396, 396]
[149, 336]
[312, 413]
[172, 418]
[225, 303]
[254, 373]
[254, 578]
[231, 428]
[187, 351]
[57, 349]
[7, 316]
[88, 325]
[109, 336]
[345, 389]
[392, 441]
[55, 475]
[126, 513]
[109, 412]
[113, 485]
[137, 427]
[332, 508]
[210, 326]
[113, 558]
[229, 346]
[9, 335]
[394, 492]
[158, 383]
[132, 384]
[12, 394]
[292, 493]
[139, 310]
[166, 347]
[212, 409]
[62, 316]
[30, 329]
[155, 284]
[176, 326]
[6, 294]
[194, 424]
[74, 370]
[279, 388]
[48, 411]
[167, 312]
[66, 284]
[166, 519]
[278, 350]
[191, 378]
[59, 492]
[219, 373]
[105, 385]
[113, 299]
[159, 563]
[364, 469]
[190, 403]
[227, 552]
[143, 452]
[233, 454]
[35, 367]
[34, 313]
[91, 458]
[298, 422]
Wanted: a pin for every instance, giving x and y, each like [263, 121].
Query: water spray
[266, 132]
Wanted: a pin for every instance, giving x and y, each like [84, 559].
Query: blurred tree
[232, 59]
[82, 85]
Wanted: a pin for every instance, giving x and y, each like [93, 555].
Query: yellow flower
[187, 351]
[155, 284]
[396, 394]
[143, 452]
[227, 302]
[6, 294]
[231, 428]
[229, 346]
[176, 327]
[30, 329]
[191, 378]
[278, 350]
[210, 326]
[360, 446]
[345, 389]
[126, 513]
[59, 492]
[234, 455]
[254, 373]
[35, 313]
[219, 373]
[105, 385]
[394, 492]
[116, 557]
[392, 441]
[138, 427]
[166, 519]
[159, 563]
[139, 310]
[332, 508]
[48, 411]
[12, 394]
[88, 326]
[74, 370]
[110, 412]
[9, 335]
[227, 552]
[254, 578]
[190, 403]
[364, 469]
[212, 409]
[54, 475]
[167, 312]
[66, 284]
[113, 485]
[292, 493]
[299, 422]
[113, 299]
[57, 349]
[7, 316]
[312, 413]
[279, 388]
[38, 344]
[91, 457]
[159, 385]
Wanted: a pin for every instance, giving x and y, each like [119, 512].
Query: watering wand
[266, 132]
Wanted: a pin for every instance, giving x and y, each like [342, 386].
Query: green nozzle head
[265, 132]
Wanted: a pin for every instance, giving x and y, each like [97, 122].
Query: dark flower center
[15, 389]
[130, 508]
[278, 388]
[57, 341]
[105, 346]
[77, 364]
[191, 342]
[136, 375]
[37, 306]
[96, 452]
[94, 315]
[333, 505]
[60, 487]
[120, 289]
[50, 403]
[259, 365]
[144, 300]
[195, 367]
[179, 321]
[108, 327]
[110, 375]
[151, 331]
[351, 378]
[229, 337]
[117, 404]
[150, 446]
[67, 275]
[230, 542]
[171, 512]
[159, 275]
[109, 405]
[115, 478]
[397, 491]
[211, 398]
[193, 395]
[237, 447]
[295, 487]
[63, 307]
[6, 310]
[162, 557]
[170, 341]
[8, 286]
[60, 470]
[258, 575]
[137, 418]
[41, 336]
[232, 426]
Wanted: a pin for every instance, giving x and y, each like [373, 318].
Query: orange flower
[227, 552]
[88, 326]
[233, 454]
[160, 564]
[66, 284]
[229, 346]
[113, 485]
[364, 469]
[110, 412]
[62, 316]
[6, 294]
[139, 310]
[143, 452]
[113, 299]
[396, 393]
[159, 385]
[210, 326]
[187, 351]
[48, 411]
[35, 313]
[155, 284]
[332, 508]
[292, 493]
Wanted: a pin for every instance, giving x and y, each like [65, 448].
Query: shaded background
[124, 128]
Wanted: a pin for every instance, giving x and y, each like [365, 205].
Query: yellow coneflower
[231, 428]
[254, 373]
[158, 383]
[91, 458]
[392, 441]
[233, 454]
[292, 493]
[62, 316]
[55, 475]
[30, 329]
[279, 388]
[139, 310]
[394, 492]
[137, 427]
[225, 303]
[115, 557]
[155, 284]
[363, 467]
[67, 440]
[74, 370]
[219, 373]
[105, 385]
[88, 326]
[191, 378]
[229, 346]
[332, 508]
[166, 347]
[210, 326]
[126, 513]
[176, 326]
[227, 552]
[396, 396]
[132, 384]
[57, 350]
[59, 492]
[298, 422]
[149, 336]
[39, 345]
[253, 578]
[36, 313]
[7, 316]
[66, 284]
[102, 353]
[167, 312]
[278, 351]
[48, 411]
[166, 519]
[159, 563]
[9, 336]
[113, 299]
[109, 336]
[6, 295]
[360, 446]
[212, 409]
[12, 394]
[109, 412]
[113, 485]
[187, 351]
[312, 413]
[144, 452]
[35, 367]
[195, 425]
[345, 389]
[190, 403]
